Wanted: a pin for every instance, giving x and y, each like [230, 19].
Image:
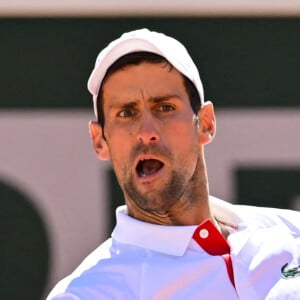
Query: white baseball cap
[149, 41]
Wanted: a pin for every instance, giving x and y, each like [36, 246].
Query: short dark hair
[136, 58]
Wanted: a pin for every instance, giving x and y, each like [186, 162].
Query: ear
[99, 143]
[207, 127]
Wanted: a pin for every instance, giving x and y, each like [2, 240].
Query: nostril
[146, 138]
[150, 139]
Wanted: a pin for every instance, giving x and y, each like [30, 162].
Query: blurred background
[57, 200]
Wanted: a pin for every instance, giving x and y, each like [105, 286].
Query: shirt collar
[172, 240]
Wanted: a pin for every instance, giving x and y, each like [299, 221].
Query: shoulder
[112, 271]
[99, 254]
[256, 216]
[266, 217]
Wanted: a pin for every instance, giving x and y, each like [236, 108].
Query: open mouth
[148, 167]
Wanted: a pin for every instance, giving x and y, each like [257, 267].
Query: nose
[147, 131]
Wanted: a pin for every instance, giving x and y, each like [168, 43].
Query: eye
[166, 107]
[126, 113]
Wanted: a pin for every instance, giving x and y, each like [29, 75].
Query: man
[172, 240]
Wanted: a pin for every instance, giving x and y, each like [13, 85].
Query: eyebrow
[122, 105]
[154, 99]
[158, 99]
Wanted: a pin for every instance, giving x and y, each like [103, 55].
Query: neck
[191, 209]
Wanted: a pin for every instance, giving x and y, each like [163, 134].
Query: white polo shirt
[147, 261]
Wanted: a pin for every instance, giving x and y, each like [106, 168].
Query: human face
[151, 135]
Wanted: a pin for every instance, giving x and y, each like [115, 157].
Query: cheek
[119, 146]
[186, 136]
[187, 143]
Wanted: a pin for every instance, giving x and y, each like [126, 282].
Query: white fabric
[146, 261]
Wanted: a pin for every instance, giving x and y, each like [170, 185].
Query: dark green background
[243, 62]
[24, 246]
[45, 63]
[268, 186]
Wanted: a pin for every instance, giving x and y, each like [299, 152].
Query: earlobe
[99, 143]
[207, 122]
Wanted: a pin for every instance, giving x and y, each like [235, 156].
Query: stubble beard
[161, 200]
[157, 201]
